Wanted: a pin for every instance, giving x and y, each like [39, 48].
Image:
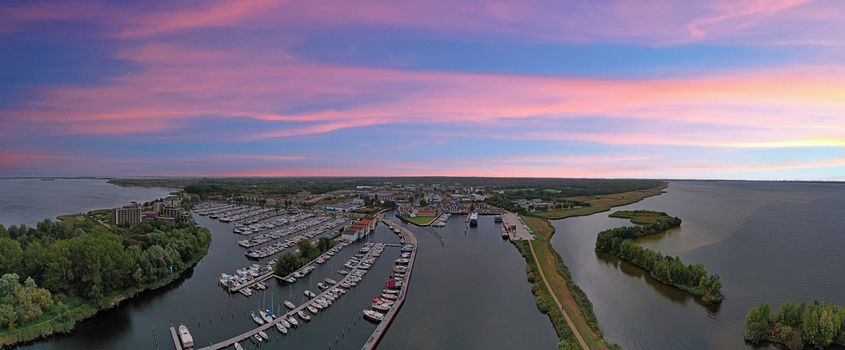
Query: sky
[717, 89]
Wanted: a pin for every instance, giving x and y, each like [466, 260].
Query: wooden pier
[381, 329]
[176, 340]
[246, 335]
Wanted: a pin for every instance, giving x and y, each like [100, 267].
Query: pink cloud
[658, 22]
[795, 107]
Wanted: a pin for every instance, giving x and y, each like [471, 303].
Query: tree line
[692, 278]
[80, 260]
[796, 325]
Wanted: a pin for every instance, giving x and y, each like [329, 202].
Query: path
[559, 305]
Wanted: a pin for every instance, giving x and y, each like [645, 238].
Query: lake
[768, 242]
[27, 201]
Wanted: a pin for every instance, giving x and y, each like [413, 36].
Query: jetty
[407, 238]
[246, 335]
[517, 230]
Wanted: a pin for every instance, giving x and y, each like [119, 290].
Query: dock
[246, 335]
[176, 340]
[516, 228]
[409, 238]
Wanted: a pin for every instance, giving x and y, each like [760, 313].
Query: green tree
[756, 322]
[306, 249]
[286, 264]
[11, 255]
[789, 314]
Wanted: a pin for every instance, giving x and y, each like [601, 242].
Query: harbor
[410, 240]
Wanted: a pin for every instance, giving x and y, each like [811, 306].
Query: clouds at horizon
[725, 89]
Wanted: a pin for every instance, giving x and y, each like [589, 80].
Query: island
[668, 270]
[60, 272]
[794, 326]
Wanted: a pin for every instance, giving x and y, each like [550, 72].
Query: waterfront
[27, 201]
[767, 241]
[472, 293]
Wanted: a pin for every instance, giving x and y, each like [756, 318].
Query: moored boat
[374, 316]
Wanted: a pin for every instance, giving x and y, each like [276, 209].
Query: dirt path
[559, 305]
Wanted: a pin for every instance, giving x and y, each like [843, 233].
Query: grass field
[574, 301]
[420, 220]
[640, 217]
[601, 203]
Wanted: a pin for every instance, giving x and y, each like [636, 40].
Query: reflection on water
[768, 242]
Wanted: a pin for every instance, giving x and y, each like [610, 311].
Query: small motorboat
[322, 286]
[304, 316]
[266, 316]
[330, 281]
[312, 309]
[257, 319]
[238, 346]
[263, 335]
[290, 305]
[373, 316]
[381, 307]
[310, 294]
[258, 338]
[281, 328]
[389, 296]
[293, 321]
[285, 323]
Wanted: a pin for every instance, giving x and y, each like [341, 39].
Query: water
[768, 242]
[27, 201]
[472, 293]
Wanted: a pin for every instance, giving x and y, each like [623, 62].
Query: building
[175, 213]
[130, 214]
[425, 213]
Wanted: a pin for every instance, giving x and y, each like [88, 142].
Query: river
[768, 242]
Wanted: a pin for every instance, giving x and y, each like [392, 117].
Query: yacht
[310, 294]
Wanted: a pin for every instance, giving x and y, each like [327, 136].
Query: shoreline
[43, 329]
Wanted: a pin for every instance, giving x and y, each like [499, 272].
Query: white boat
[310, 294]
[257, 319]
[281, 328]
[290, 305]
[265, 316]
[390, 291]
[322, 286]
[381, 307]
[330, 281]
[238, 346]
[185, 337]
[258, 338]
[285, 323]
[263, 335]
[312, 309]
[304, 316]
[374, 316]
[389, 296]
[293, 321]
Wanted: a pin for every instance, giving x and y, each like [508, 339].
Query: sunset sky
[729, 89]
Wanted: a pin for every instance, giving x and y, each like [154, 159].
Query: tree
[286, 264]
[756, 322]
[11, 255]
[306, 249]
[789, 314]
[324, 244]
